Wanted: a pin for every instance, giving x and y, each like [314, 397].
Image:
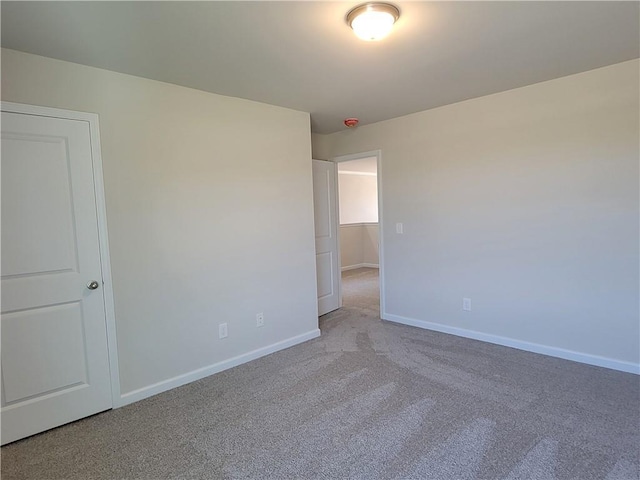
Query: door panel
[46, 186]
[53, 338]
[55, 365]
[326, 224]
[324, 265]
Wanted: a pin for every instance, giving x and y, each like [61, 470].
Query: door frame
[101, 210]
[358, 156]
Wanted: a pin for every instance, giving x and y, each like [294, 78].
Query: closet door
[55, 363]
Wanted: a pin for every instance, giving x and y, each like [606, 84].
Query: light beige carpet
[368, 399]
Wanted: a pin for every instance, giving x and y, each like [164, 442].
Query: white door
[325, 199]
[55, 365]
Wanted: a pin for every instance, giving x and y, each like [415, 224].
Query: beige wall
[370, 244]
[210, 215]
[321, 148]
[358, 198]
[358, 245]
[525, 201]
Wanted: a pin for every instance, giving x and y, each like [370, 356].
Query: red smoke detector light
[351, 122]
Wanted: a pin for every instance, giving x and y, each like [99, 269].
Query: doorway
[359, 228]
[58, 342]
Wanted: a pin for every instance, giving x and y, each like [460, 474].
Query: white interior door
[55, 364]
[325, 199]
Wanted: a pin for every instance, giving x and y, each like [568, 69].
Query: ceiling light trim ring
[375, 7]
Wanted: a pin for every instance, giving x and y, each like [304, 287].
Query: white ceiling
[367, 165]
[303, 56]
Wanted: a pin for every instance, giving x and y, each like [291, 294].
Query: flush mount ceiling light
[373, 21]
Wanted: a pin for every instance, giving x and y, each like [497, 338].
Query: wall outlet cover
[466, 304]
[222, 330]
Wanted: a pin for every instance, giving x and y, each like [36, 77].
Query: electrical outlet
[399, 228]
[466, 304]
[222, 330]
[260, 319]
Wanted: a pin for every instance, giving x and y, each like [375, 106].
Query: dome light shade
[373, 21]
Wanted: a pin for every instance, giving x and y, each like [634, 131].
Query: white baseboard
[194, 375]
[520, 345]
[359, 265]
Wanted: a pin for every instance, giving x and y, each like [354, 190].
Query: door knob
[93, 285]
